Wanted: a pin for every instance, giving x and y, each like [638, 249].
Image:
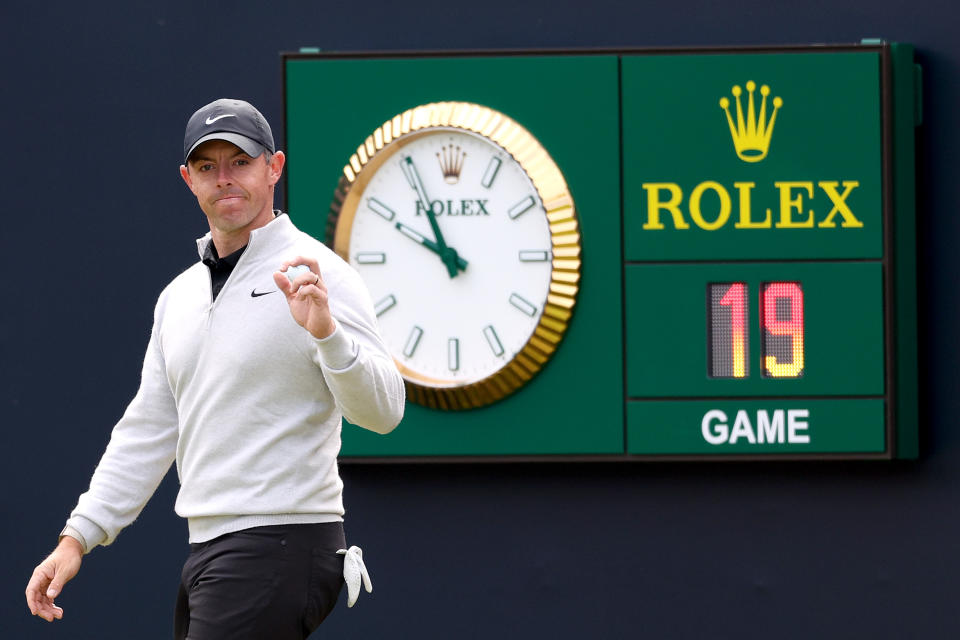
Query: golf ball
[296, 270]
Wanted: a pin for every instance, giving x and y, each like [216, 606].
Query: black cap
[235, 121]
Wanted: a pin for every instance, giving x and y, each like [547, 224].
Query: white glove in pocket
[353, 571]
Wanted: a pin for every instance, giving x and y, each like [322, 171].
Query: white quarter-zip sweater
[246, 401]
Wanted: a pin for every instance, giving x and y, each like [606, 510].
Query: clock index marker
[371, 257]
[523, 305]
[453, 354]
[493, 340]
[381, 209]
[413, 340]
[534, 256]
[384, 305]
[521, 207]
[491, 172]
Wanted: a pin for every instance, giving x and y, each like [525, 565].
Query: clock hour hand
[411, 233]
[448, 256]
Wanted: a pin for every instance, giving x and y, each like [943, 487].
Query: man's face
[234, 190]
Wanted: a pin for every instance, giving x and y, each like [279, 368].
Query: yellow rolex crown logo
[751, 135]
[451, 163]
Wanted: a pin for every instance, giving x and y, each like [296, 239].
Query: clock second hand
[447, 255]
[429, 244]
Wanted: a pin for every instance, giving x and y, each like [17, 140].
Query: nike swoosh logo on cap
[214, 119]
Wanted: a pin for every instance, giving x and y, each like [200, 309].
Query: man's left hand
[307, 297]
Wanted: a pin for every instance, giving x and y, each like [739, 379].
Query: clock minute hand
[418, 237]
[448, 256]
[413, 177]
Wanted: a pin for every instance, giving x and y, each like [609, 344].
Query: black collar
[214, 261]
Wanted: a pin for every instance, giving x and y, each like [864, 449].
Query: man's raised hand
[307, 296]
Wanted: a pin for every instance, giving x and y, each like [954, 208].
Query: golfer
[256, 353]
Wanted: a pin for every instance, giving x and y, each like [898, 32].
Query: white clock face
[459, 295]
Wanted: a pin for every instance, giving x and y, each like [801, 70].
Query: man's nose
[224, 176]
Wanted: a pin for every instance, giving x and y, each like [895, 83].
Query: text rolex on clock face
[459, 295]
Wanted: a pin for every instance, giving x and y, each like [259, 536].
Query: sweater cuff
[76, 535]
[85, 532]
[338, 350]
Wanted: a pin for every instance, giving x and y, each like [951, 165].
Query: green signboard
[624, 255]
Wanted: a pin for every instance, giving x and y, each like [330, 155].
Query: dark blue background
[97, 220]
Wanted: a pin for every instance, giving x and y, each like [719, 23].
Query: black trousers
[265, 583]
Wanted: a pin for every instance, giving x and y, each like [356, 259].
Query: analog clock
[465, 233]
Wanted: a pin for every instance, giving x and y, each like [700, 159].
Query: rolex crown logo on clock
[465, 233]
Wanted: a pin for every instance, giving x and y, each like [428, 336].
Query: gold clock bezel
[547, 179]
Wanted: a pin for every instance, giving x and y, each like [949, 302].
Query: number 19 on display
[781, 330]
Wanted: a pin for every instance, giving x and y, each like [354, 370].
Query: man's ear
[277, 160]
[185, 174]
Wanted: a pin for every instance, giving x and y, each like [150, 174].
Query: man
[252, 361]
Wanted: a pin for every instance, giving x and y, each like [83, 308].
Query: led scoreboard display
[730, 237]
[769, 243]
[781, 327]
